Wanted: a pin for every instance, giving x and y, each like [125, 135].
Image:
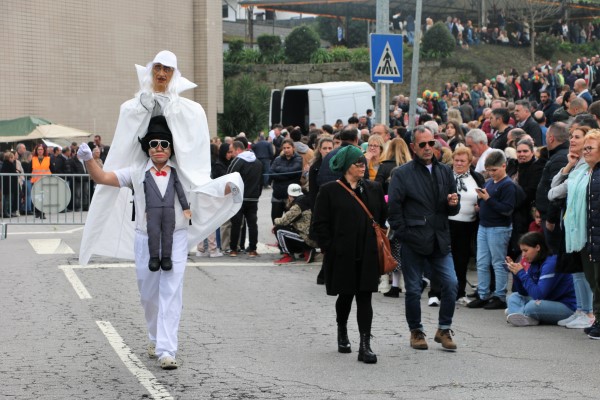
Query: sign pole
[382, 26]
[414, 76]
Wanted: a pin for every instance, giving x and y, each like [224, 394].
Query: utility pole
[381, 96]
[414, 76]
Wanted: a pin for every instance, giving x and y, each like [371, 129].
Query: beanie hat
[344, 158]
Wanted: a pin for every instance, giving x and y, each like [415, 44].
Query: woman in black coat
[346, 236]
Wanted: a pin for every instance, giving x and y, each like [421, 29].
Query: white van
[321, 103]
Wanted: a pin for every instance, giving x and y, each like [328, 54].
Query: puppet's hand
[84, 153]
[187, 214]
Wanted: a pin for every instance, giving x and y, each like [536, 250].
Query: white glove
[84, 153]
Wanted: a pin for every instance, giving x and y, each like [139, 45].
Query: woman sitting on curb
[540, 295]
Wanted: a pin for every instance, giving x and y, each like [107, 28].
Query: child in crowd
[541, 295]
[496, 203]
[536, 224]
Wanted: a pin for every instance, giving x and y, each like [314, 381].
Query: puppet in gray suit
[160, 186]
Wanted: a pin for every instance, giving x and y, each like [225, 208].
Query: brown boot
[417, 340]
[444, 336]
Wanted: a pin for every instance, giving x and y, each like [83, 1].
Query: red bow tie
[161, 173]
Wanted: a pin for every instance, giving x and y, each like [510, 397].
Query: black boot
[343, 341]
[154, 264]
[166, 264]
[365, 354]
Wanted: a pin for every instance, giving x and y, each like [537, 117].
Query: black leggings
[364, 311]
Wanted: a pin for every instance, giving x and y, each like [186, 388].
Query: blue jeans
[266, 164]
[492, 245]
[442, 270]
[549, 312]
[583, 292]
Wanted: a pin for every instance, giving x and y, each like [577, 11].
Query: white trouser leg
[161, 293]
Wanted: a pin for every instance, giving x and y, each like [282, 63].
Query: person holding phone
[541, 295]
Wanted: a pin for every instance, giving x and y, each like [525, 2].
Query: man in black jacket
[557, 140]
[263, 150]
[526, 122]
[422, 194]
[246, 163]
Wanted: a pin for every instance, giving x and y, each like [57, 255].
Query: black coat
[345, 234]
[418, 206]
[550, 210]
[593, 215]
[384, 173]
[533, 129]
[285, 172]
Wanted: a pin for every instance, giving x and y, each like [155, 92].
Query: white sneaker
[564, 322]
[581, 322]
[433, 302]
[463, 301]
[201, 254]
[518, 319]
[216, 254]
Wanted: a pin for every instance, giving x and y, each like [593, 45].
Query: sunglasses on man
[422, 145]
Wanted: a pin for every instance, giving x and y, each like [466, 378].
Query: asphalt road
[252, 330]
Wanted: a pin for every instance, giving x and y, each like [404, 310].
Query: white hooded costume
[109, 229]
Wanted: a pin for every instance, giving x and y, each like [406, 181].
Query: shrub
[320, 56]
[546, 45]
[269, 45]
[360, 55]
[438, 42]
[250, 56]
[300, 44]
[235, 52]
[340, 54]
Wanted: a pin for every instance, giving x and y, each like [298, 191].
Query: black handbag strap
[359, 201]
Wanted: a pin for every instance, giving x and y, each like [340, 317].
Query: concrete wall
[72, 61]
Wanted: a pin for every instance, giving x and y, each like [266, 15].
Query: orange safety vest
[38, 168]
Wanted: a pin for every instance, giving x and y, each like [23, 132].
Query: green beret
[344, 158]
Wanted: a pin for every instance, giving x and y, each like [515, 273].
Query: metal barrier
[57, 199]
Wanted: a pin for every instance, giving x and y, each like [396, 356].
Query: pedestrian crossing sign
[386, 58]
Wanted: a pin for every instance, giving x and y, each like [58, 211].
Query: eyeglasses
[587, 149]
[158, 67]
[359, 165]
[374, 145]
[162, 143]
[422, 145]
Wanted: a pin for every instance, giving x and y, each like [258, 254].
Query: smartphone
[505, 265]
[480, 190]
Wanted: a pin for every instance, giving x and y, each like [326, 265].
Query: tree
[300, 44]
[438, 42]
[356, 36]
[245, 107]
[532, 12]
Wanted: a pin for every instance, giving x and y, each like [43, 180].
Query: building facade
[73, 62]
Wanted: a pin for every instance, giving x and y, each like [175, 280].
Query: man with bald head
[577, 106]
[580, 87]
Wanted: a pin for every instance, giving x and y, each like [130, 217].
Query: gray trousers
[160, 225]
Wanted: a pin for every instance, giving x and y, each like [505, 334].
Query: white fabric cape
[109, 229]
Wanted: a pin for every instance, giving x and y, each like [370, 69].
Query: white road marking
[133, 363]
[50, 246]
[75, 282]
[47, 233]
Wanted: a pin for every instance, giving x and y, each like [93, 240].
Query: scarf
[575, 220]
[460, 184]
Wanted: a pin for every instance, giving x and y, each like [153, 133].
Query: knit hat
[344, 158]
[294, 190]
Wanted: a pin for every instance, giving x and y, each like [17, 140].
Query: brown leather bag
[387, 262]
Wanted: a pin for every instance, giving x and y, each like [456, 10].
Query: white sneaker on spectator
[518, 319]
[201, 254]
[581, 322]
[384, 284]
[463, 301]
[216, 254]
[564, 322]
[433, 302]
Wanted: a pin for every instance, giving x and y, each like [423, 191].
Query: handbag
[387, 262]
